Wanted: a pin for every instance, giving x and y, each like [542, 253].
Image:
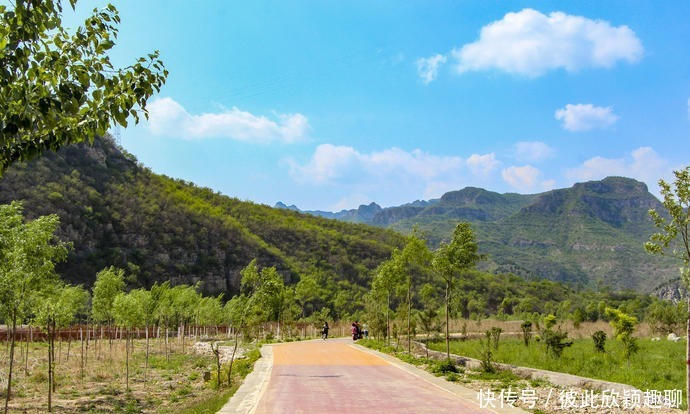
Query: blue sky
[329, 105]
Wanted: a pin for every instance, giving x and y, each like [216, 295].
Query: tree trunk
[388, 321]
[232, 358]
[167, 351]
[687, 359]
[409, 316]
[146, 364]
[127, 359]
[81, 339]
[26, 355]
[448, 321]
[51, 359]
[9, 376]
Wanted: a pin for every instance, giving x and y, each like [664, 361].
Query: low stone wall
[556, 378]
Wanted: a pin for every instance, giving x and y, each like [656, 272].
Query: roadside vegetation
[178, 382]
[659, 365]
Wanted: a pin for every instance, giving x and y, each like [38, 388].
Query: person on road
[324, 330]
[356, 331]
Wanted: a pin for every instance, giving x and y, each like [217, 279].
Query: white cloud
[482, 165]
[167, 117]
[584, 117]
[526, 178]
[530, 43]
[330, 162]
[390, 174]
[427, 68]
[643, 164]
[532, 151]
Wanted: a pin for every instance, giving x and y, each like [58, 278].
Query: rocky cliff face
[614, 200]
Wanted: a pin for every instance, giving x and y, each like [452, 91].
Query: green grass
[210, 405]
[657, 366]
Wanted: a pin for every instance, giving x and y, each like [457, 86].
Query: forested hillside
[116, 212]
[590, 235]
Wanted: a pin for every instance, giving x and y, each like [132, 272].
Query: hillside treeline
[116, 212]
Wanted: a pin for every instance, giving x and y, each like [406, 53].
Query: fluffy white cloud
[531, 151]
[330, 162]
[526, 178]
[530, 43]
[427, 68]
[168, 117]
[482, 165]
[643, 164]
[391, 173]
[584, 117]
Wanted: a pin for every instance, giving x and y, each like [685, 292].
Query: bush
[444, 367]
[599, 338]
[556, 341]
[526, 327]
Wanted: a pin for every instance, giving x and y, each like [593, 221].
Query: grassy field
[659, 365]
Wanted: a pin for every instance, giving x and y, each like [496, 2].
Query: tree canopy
[58, 88]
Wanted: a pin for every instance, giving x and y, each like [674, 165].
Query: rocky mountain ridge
[591, 234]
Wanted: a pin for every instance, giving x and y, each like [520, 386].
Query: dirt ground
[171, 381]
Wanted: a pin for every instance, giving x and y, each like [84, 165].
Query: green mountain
[589, 235]
[116, 212]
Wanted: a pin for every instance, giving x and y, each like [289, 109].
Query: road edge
[246, 398]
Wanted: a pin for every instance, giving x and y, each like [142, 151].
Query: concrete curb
[246, 398]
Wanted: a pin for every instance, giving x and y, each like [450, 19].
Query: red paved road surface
[334, 377]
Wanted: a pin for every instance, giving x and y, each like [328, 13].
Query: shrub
[599, 338]
[526, 327]
[556, 341]
[487, 363]
[444, 367]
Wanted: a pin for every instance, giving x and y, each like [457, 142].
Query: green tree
[665, 317]
[109, 282]
[416, 260]
[251, 307]
[675, 224]
[310, 293]
[28, 251]
[387, 279]
[185, 300]
[142, 300]
[59, 88]
[210, 311]
[451, 260]
[128, 312]
[58, 306]
[236, 311]
[164, 313]
[428, 316]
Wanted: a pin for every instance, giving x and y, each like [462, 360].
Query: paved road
[334, 376]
